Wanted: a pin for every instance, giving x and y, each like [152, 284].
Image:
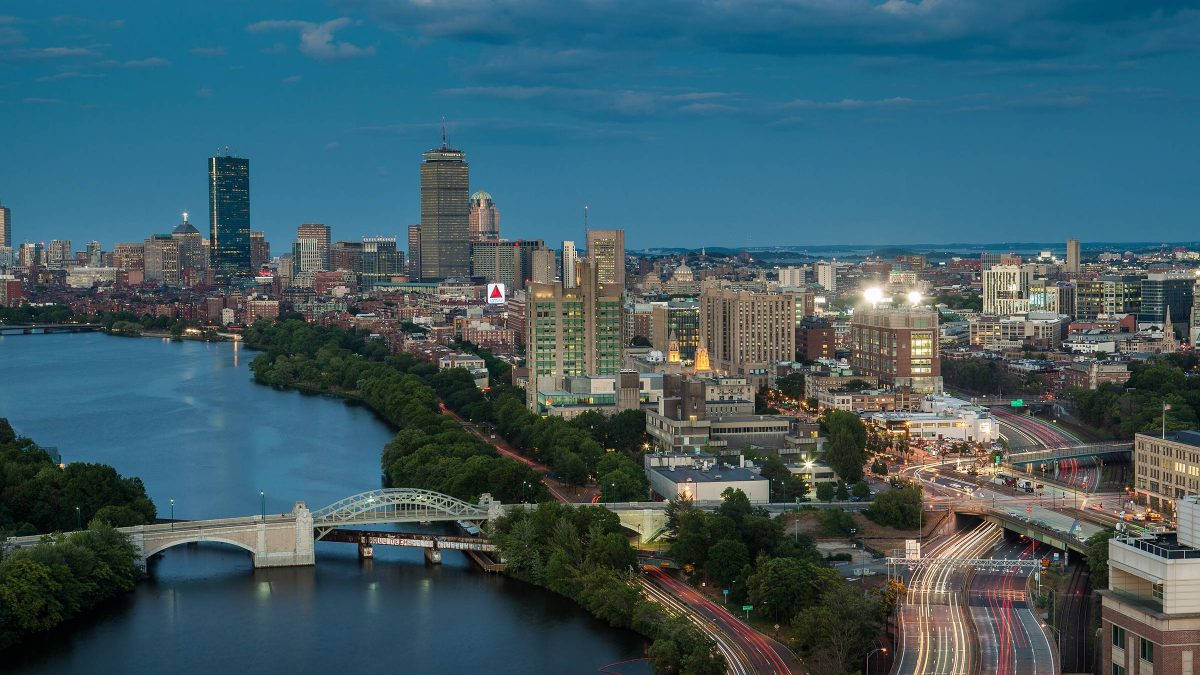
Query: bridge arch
[160, 547]
[399, 505]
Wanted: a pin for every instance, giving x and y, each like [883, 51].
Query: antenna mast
[444, 146]
[585, 214]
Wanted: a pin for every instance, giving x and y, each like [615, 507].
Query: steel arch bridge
[400, 505]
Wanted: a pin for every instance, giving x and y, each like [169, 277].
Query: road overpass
[1070, 452]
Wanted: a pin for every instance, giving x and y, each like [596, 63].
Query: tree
[837, 632]
[841, 492]
[725, 561]
[825, 491]
[791, 385]
[640, 341]
[899, 508]
[735, 505]
[781, 587]
[845, 451]
[861, 490]
[1097, 556]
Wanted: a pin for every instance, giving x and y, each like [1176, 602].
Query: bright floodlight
[873, 295]
[914, 298]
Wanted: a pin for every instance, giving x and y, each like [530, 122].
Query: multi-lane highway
[1011, 640]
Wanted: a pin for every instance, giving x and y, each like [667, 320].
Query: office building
[260, 250]
[826, 274]
[93, 254]
[162, 260]
[1123, 294]
[1150, 612]
[129, 256]
[543, 265]
[1052, 296]
[1089, 299]
[346, 256]
[1165, 469]
[792, 277]
[445, 233]
[59, 254]
[815, 339]
[606, 251]
[1166, 290]
[899, 346]
[745, 331]
[310, 252]
[192, 254]
[229, 215]
[675, 328]
[1072, 256]
[5, 226]
[381, 260]
[414, 252]
[702, 477]
[1194, 322]
[1006, 289]
[261, 308]
[571, 331]
[569, 256]
[483, 218]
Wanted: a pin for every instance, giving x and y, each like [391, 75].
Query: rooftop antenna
[444, 146]
[585, 214]
[185, 216]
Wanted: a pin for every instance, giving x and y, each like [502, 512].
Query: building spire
[444, 146]
[185, 216]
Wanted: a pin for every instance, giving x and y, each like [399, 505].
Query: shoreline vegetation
[578, 552]
[65, 576]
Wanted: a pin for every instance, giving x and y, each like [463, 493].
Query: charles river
[188, 419]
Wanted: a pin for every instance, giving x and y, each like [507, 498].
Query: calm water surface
[189, 421]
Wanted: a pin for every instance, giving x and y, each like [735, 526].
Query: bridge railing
[1034, 456]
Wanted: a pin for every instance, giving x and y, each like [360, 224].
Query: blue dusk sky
[686, 122]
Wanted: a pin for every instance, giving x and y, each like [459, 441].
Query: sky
[685, 122]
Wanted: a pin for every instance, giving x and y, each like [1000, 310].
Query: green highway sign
[747, 608]
[1017, 402]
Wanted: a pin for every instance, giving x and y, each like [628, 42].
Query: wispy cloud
[625, 103]
[69, 75]
[291, 79]
[316, 39]
[204, 92]
[48, 53]
[149, 62]
[852, 104]
[34, 100]
[208, 52]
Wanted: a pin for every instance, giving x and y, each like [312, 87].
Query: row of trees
[988, 377]
[744, 550]
[1137, 405]
[581, 553]
[37, 496]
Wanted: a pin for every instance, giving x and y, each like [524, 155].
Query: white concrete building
[701, 477]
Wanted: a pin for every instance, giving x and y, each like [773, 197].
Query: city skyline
[897, 120]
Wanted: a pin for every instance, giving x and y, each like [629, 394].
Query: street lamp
[262, 496]
[78, 519]
[172, 514]
[867, 665]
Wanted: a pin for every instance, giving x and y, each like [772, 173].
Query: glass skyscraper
[229, 215]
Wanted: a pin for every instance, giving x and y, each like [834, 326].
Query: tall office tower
[1089, 299]
[898, 345]
[569, 256]
[346, 256]
[414, 252]
[1166, 290]
[792, 276]
[571, 331]
[129, 256]
[95, 256]
[380, 260]
[445, 235]
[826, 273]
[60, 255]
[498, 262]
[1006, 289]
[1194, 322]
[1072, 256]
[311, 251]
[229, 215]
[1048, 295]
[483, 218]
[192, 255]
[26, 256]
[5, 226]
[1123, 294]
[676, 321]
[606, 251]
[162, 260]
[542, 261]
[260, 250]
[746, 331]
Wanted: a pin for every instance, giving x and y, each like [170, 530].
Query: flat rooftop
[722, 475]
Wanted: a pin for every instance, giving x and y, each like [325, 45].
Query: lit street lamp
[78, 519]
[262, 496]
[172, 514]
[867, 666]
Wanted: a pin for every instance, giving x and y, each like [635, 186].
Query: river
[187, 418]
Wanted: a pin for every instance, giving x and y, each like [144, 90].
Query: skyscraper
[229, 214]
[5, 226]
[414, 252]
[191, 249]
[1006, 289]
[60, 253]
[569, 256]
[745, 331]
[311, 252]
[95, 256]
[260, 250]
[606, 250]
[484, 219]
[542, 261]
[445, 234]
[1072, 256]
[897, 345]
[380, 260]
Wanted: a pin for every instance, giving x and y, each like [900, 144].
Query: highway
[1011, 640]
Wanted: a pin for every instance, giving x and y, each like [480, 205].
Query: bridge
[288, 539]
[47, 328]
[1070, 452]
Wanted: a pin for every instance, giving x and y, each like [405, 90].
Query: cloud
[46, 101]
[518, 132]
[208, 52]
[204, 92]
[277, 48]
[69, 75]
[47, 53]
[851, 104]
[150, 62]
[291, 79]
[332, 145]
[617, 103]
[316, 39]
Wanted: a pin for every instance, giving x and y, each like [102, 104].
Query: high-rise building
[1072, 256]
[484, 218]
[792, 277]
[1194, 322]
[1052, 296]
[414, 252]
[129, 256]
[445, 233]
[1089, 299]
[311, 250]
[676, 322]
[229, 215]
[1006, 289]
[346, 256]
[162, 260]
[745, 331]
[606, 250]
[569, 256]
[571, 331]
[260, 250]
[192, 255]
[380, 261]
[95, 255]
[5, 226]
[543, 263]
[826, 273]
[1163, 290]
[1123, 294]
[59, 254]
[898, 345]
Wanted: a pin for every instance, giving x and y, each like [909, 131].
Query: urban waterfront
[187, 418]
